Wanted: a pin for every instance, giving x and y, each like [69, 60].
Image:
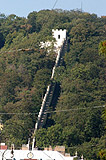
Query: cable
[55, 4]
[17, 113]
[67, 110]
[76, 109]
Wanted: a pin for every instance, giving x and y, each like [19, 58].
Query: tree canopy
[25, 71]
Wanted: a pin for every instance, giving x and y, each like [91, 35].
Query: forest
[79, 122]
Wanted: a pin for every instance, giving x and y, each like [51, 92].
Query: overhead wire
[56, 111]
[54, 4]
[76, 109]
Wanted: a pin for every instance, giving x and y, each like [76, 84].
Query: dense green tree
[32, 20]
[1, 40]
[50, 137]
[17, 129]
[25, 71]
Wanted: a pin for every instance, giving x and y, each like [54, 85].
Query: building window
[59, 36]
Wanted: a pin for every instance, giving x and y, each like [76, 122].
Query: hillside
[25, 72]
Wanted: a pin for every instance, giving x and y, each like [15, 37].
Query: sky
[22, 8]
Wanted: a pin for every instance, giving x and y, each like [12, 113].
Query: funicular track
[47, 100]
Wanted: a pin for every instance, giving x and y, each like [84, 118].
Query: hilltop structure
[59, 36]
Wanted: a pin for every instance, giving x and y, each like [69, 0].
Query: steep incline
[42, 117]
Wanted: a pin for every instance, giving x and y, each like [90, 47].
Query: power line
[17, 113]
[76, 109]
[66, 110]
[55, 4]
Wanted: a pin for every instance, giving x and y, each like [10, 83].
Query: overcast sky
[24, 7]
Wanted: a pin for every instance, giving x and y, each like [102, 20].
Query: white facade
[60, 37]
[35, 154]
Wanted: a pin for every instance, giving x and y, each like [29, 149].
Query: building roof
[35, 154]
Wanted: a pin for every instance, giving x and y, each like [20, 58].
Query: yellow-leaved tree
[102, 48]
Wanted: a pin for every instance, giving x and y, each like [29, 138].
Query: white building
[34, 155]
[60, 37]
